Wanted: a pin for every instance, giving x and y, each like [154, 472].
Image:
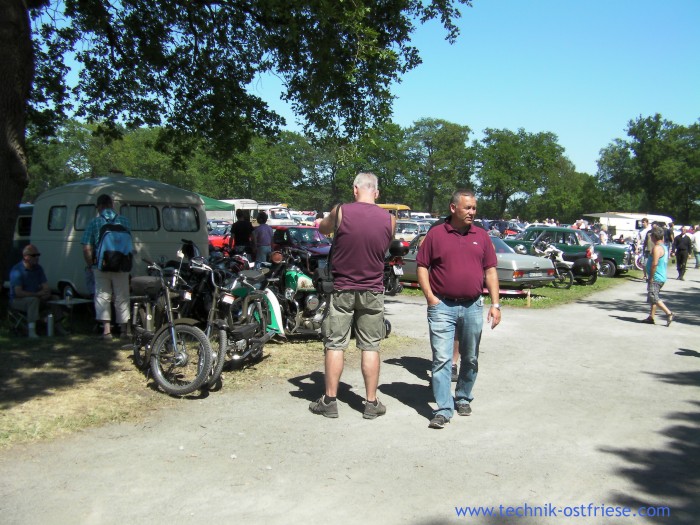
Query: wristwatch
[497, 306]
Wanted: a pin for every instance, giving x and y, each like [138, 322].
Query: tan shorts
[367, 310]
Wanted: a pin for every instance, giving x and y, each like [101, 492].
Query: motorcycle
[178, 353]
[289, 277]
[242, 317]
[564, 277]
[393, 267]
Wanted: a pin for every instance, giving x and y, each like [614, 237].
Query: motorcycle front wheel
[138, 333]
[182, 367]
[218, 343]
[563, 279]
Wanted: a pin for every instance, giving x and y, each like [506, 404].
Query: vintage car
[301, 237]
[220, 236]
[407, 230]
[515, 271]
[612, 258]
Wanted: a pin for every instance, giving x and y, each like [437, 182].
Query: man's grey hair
[367, 181]
[461, 193]
[657, 233]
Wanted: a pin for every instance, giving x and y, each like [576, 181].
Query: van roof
[124, 188]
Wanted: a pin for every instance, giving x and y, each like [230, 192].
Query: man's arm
[491, 279]
[424, 283]
[327, 225]
[87, 255]
[655, 256]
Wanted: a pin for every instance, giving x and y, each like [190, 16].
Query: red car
[220, 237]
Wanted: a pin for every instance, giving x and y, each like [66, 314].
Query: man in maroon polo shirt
[454, 261]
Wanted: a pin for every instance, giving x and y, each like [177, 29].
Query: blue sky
[579, 69]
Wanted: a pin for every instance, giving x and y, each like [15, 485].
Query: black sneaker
[438, 421]
[323, 409]
[464, 409]
[372, 411]
[455, 373]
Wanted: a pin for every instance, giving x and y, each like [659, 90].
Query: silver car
[515, 271]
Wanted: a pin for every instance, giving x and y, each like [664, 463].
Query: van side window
[180, 219]
[83, 215]
[141, 218]
[57, 218]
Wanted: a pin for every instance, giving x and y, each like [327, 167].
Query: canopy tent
[214, 205]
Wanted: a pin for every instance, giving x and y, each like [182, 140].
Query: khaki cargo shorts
[366, 309]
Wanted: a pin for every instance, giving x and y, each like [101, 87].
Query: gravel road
[574, 406]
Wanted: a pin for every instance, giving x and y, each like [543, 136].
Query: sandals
[670, 319]
[648, 320]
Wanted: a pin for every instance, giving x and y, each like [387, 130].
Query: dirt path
[574, 406]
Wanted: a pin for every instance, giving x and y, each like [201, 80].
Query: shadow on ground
[670, 475]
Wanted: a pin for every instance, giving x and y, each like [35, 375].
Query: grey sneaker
[373, 412]
[323, 409]
[438, 421]
[464, 409]
[455, 373]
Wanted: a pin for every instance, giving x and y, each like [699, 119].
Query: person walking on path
[363, 232]
[681, 247]
[108, 284]
[696, 245]
[453, 262]
[656, 270]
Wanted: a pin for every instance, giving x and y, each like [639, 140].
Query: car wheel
[607, 269]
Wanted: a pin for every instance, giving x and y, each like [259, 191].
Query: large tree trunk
[16, 70]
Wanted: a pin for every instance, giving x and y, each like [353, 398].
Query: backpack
[114, 248]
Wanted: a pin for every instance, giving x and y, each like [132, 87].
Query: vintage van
[400, 210]
[161, 216]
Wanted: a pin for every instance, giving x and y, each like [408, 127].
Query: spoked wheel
[218, 343]
[258, 314]
[563, 279]
[183, 367]
[639, 262]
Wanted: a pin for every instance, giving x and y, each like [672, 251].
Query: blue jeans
[445, 319]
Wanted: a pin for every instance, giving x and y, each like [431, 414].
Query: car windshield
[500, 246]
[307, 236]
[221, 230]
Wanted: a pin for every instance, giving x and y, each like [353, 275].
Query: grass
[52, 387]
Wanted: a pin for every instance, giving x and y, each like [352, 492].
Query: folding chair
[17, 320]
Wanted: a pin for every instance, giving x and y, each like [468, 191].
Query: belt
[456, 299]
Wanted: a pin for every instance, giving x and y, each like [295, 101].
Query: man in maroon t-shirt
[454, 261]
[363, 234]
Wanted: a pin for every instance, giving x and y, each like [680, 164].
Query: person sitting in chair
[29, 290]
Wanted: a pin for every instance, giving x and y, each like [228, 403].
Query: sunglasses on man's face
[33, 254]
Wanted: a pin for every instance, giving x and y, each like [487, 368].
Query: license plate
[536, 274]
[228, 299]
[398, 270]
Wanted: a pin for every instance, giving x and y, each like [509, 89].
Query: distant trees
[656, 170]
[515, 173]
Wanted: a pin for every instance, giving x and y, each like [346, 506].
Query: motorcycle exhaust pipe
[254, 345]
